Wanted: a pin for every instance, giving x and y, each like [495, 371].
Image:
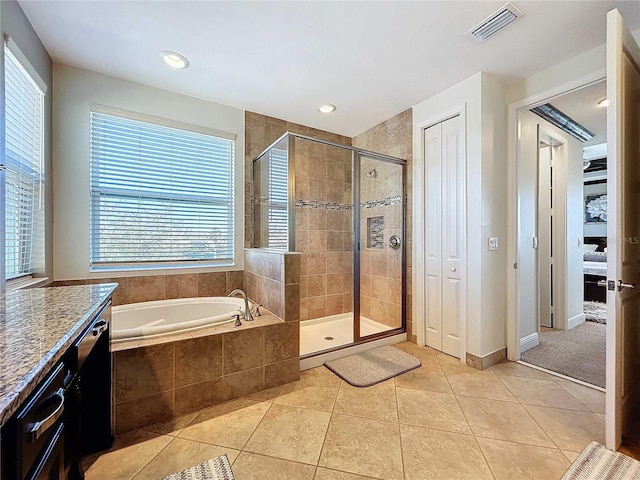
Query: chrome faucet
[247, 311]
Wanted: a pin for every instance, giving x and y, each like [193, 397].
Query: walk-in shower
[343, 209]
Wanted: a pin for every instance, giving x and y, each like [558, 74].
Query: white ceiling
[372, 59]
[582, 106]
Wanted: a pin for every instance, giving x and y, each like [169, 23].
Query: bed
[595, 268]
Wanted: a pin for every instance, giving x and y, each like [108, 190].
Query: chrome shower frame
[356, 155]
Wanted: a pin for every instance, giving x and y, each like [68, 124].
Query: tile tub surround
[272, 278]
[37, 326]
[163, 287]
[156, 383]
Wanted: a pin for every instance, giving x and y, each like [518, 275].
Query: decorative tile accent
[375, 232]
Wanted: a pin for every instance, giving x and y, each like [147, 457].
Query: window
[160, 195]
[278, 195]
[23, 157]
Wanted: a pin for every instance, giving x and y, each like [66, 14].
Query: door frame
[513, 222]
[419, 317]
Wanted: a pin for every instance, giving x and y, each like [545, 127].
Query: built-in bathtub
[164, 318]
[173, 357]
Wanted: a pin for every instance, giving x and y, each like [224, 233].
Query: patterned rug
[217, 468]
[373, 366]
[598, 463]
[595, 312]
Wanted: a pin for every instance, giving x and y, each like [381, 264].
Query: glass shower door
[380, 233]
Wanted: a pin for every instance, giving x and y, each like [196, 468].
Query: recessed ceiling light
[604, 102]
[327, 108]
[174, 59]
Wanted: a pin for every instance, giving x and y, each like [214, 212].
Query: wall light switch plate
[493, 243]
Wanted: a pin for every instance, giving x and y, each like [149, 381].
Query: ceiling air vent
[495, 22]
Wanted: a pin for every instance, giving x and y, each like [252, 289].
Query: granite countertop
[37, 326]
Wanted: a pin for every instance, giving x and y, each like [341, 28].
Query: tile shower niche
[375, 232]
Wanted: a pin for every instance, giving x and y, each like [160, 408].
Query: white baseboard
[529, 341]
[576, 320]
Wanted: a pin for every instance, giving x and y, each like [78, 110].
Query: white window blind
[23, 151]
[159, 195]
[278, 195]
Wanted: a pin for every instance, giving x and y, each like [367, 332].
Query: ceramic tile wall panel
[324, 205]
[159, 382]
[163, 287]
[260, 132]
[392, 137]
[271, 278]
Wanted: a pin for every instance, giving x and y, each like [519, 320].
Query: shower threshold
[334, 331]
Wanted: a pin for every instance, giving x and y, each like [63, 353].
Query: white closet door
[453, 242]
[433, 235]
[444, 236]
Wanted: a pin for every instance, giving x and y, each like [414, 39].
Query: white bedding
[595, 268]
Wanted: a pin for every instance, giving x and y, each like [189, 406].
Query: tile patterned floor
[441, 421]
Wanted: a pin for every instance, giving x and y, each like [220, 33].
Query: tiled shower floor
[339, 330]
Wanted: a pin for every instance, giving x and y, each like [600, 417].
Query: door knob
[453, 269]
[622, 285]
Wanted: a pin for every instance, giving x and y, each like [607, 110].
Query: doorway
[562, 234]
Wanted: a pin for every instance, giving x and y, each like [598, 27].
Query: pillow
[588, 248]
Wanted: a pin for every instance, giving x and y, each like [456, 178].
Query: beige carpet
[577, 353]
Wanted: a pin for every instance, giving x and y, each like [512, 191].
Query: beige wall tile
[213, 284]
[281, 373]
[243, 383]
[181, 286]
[282, 342]
[140, 412]
[197, 396]
[292, 303]
[234, 280]
[242, 350]
[198, 360]
[291, 269]
[146, 289]
[121, 295]
[141, 372]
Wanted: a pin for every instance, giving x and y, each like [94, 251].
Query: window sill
[27, 282]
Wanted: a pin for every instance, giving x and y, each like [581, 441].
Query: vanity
[55, 380]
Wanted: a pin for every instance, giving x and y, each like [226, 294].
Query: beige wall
[393, 137]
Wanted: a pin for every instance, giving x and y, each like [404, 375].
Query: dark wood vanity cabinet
[67, 415]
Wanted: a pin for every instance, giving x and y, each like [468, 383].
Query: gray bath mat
[597, 463]
[217, 468]
[373, 366]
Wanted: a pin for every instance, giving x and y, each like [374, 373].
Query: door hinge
[535, 242]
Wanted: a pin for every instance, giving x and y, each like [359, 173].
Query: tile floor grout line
[256, 427]
[326, 432]
[532, 417]
[395, 393]
[153, 458]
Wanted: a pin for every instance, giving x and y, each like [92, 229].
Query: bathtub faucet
[247, 311]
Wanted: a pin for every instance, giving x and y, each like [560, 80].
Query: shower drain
[328, 338]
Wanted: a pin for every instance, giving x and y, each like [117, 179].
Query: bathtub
[160, 318]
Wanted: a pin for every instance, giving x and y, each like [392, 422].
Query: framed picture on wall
[595, 204]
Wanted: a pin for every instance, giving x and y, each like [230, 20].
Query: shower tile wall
[380, 265]
[324, 211]
[394, 137]
[260, 132]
